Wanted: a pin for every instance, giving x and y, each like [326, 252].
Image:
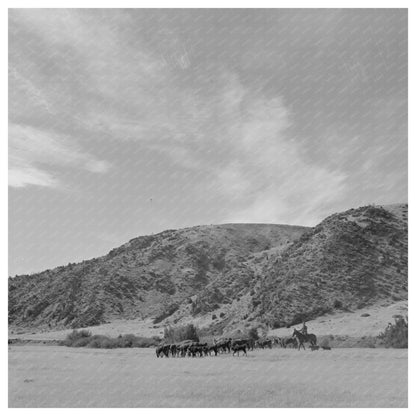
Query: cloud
[269, 177]
[36, 155]
[21, 175]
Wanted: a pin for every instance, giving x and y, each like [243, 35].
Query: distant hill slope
[152, 276]
[348, 261]
[227, 276]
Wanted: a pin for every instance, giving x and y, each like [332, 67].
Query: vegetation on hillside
[348, 261]
[396, 335]
[237, 275]
[181, 333]
[84, 338]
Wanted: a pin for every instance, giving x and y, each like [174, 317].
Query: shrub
[253, 334]
[181, 333]
[76, 337]
[396, 335]
[337, 304]
[324, 342]
[86, 339]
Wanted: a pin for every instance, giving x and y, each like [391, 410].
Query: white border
[195, 4]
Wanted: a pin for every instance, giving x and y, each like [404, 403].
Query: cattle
[236, 348]
[288, 341]
[250, 344]
[212, 348]
[224, 346]
[163, 350]
[276, 341]
[264, 343]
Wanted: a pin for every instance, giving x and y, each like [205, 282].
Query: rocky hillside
[349, 261]
[198, 268]
[226, 276]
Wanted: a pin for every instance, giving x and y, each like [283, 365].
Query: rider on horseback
[304, 329]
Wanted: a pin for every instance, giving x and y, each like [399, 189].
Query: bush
[324, 341]
[86, 339]
[76, 337]
[396, 335]
[181, 333]
[253, 334]
[337, 304]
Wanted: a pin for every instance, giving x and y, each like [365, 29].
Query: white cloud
[35, 154]
[268, 176]
[21, 176]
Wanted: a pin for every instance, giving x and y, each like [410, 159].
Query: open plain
[49, 376]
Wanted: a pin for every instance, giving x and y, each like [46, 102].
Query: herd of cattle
[191, 348]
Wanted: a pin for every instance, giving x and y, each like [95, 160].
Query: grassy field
[48, 376]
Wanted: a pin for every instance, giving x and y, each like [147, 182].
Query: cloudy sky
[129, 122]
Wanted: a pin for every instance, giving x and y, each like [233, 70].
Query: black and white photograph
[207, 207]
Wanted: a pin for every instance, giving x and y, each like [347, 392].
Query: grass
[268, 378]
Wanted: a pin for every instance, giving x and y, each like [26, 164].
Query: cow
[236, 348]
[224, 345]
[263, 343]
[163, 350]
[212, 348]
[286, 341]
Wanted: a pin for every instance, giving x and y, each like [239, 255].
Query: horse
[302, 338]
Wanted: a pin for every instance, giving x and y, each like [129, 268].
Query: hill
[226, 277]
[200, 268]
[348, 261]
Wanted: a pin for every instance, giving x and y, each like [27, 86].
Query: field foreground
[48, 376]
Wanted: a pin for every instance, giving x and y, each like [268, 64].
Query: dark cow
[224, 345]
[183, 346]
[236, 348]
[288, 341]
[251, 344]
[163, 350]
[264, 343]
[173, 350]
[212, 348]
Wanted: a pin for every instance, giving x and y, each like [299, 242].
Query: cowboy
[304, 329]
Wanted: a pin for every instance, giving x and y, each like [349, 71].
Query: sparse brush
[396, 335]
[86, 339]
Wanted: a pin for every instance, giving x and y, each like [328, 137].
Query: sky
[129, 122]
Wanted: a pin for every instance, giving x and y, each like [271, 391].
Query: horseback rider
[304, 329]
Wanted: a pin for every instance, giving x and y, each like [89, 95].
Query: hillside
[152, 276]
[223, 277]
[348, 261]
